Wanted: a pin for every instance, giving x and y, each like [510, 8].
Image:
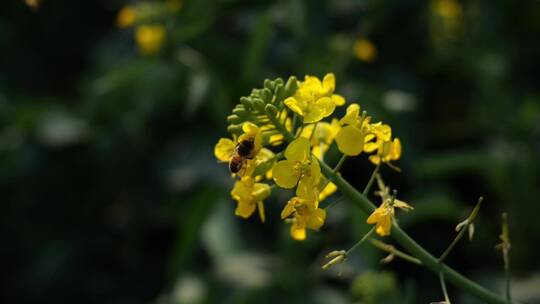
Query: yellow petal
[250, 128]
[150, 38]
[224, 149]
[352, 116]
[329, 83]
[402, 205]
[320, 109]
[298, 150]
[298, 232]
[338, 100]
[350, 140]
[375, 159]
[289, 208]
[307, 189]
[395, 152]
[241, 190]
[284, 174]
[244, 209]
[375, 216]
[295, 105]
[316, 219]
[384, 225]
[260, 207]
[327, 191]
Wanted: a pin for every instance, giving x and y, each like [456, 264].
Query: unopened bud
[233, 119]
[279, 93]
[291, 86]
[246, 101]
[339, 256]
[266, 95]
[258, 104]
[271, 110]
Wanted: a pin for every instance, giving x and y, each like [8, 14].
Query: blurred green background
[110, 192]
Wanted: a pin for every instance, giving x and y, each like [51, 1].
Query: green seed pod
[291, 86]
[271, 110]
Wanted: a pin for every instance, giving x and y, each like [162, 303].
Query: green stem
[443, 286]
[455, 241]
[411, 246]
[363, 239]
[392, 250]
[371, 179]
[340, 163]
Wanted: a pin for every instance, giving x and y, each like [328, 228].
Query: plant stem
[392, 250]
[455, 241]
[371, 179]
[411, 246]
[465, 227]
[402, 237]
[340, 163]
[363, 239]
[443, 286]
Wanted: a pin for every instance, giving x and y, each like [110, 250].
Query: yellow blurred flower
[250, 195]
[150, 38]
[300, 167]
[449, 9]
[314, 100]
[126, 16]
[306, 215]
[365, 50]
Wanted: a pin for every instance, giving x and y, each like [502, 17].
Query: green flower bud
[271, 110]
[246, 101]
[279, 94]
[269, 84]
[266, 95]
[233, 119]
[291, 86]
[258, 104]
[279, 81]
[240, 110]
[235, 129]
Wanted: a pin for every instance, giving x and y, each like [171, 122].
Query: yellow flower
[249, 196]
[323, 137]
[300, 167]
[329, 189]
[306, 214]
[365, 50]
[150, 38]
[382, 216]
[314, 100]
[387, 151]
[126, 16]
[351, 138]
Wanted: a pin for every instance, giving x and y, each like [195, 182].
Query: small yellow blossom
[365, 50]
[249, 196]
[306, 215]
[150, 38]
[323, 137]
[252, 133]
[386, 152]
[126, 16]
[300, 167]
[352, 136]
[314, 100]
[382, 216]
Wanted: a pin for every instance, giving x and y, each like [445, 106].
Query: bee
[244, 150]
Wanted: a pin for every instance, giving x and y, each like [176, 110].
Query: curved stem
[443, 286]
[402, 237]
[392, 250]
[412, 247]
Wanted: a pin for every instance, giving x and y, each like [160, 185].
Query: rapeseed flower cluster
[281, 132]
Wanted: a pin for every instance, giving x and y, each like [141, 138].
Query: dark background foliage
[111, 194]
